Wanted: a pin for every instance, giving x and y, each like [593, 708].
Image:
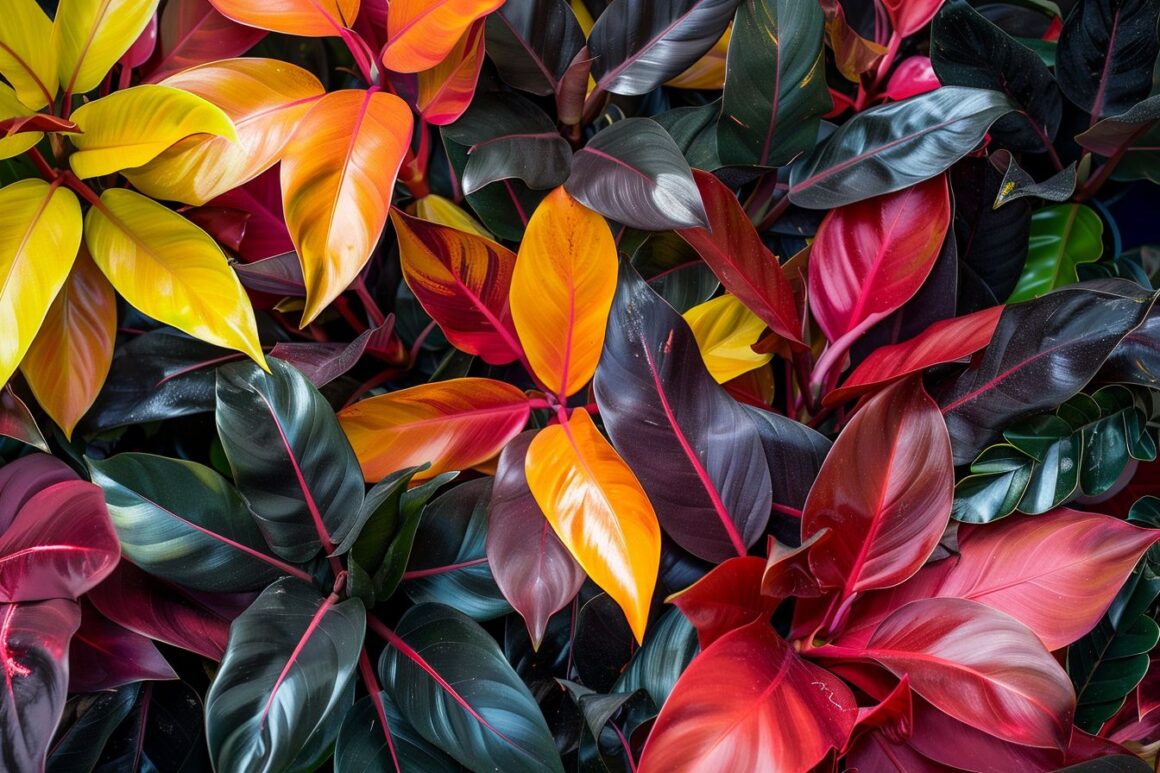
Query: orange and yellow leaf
[307, 18]
[599, 511]
[436, 209]
[446, 90]
[91, 35]
[28, 59]
[421, 33]
[562, 290]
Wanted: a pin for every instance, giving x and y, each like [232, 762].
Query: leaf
[725, 332]
[946, 341]
[599, 511]
[1043, 352]
[67, 363]
[132, 127]
[307, 18]
[1107, 49]
[992, 243]
[165, 731]
[169, 269]
[17, 422]
[532, 43]
[25, 61]
[338, 171]
[779, 712]
[731, 246]
[80, 745]
[728, 597]
[913, 76]
[909, 16]
[24, 478]
[362, 747]
[12, 145]
[452, 424]
[894, 146]
[452, 684]
[794, 453]
[1017, 183]
[445, 91]
[181, 521]
[91, 35]
[775, 88]
[436, 209]
[59, 545]
[193, 32]
[34, 640]
[639, 45]
[633, 173]
[40, 233]
[105, 656]
[1011, 688]
[669, 647]
[1110, 134]
[264, 98]
[684, 437]
[969, 50]
[708, 72]
[872, 256]
[538, 577]
[562, 288]
[462, 281]
[289, 660]
[289, 457]
[421, 33]
[1062, 237]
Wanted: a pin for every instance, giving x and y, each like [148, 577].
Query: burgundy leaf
[266, 233]
[787, 570]
[726, 598]
[37, 122]
[104, 656]
[226, 225]
[531, 566]
[192, 32]
[22, 479]
[16, 420]
[142, 48]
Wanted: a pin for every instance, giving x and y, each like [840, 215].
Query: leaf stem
[41, 165]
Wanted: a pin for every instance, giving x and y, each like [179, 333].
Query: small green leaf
[1062, 237]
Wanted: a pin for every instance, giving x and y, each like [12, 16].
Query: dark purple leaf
[17, 422]
[1107, 50]
[105, 656]
[532, 42]
[277, 275]
[322, 363]
[22, 479]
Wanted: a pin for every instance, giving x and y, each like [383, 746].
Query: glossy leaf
[708, 72]
[80, 745]
[991, 243]
[888, 148]
[437, 209]
[308, 18]
[775, 89]
[289, 660]
[70, 357]
[132, 127]
[734, 250]
[338, 171]
[91, 35]
[463, 281]
[453, 685]
[14, 110]
[725, 332]
[193, 32]
[668, 649]
[40, 233]
[887, 520]
[728, 597]
[264, 98]
[909, 16]
[1017, 183]
[532, 43]
[562, 289]
[24, 478]
[421, 33]
[633, 173]
[362, 747]
[169, 269]
[1107, 49]
[25, 61]
[639, 45]
[181, 521]
[539, 577]
[599, 511]
[779, 712]
[17, 422]
[1062, 237]
[690, 444]
[445, 91]
[165, 731]
[458, 423]
[872, 256]
[913, 76]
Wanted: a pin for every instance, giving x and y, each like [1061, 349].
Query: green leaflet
[1062, 237]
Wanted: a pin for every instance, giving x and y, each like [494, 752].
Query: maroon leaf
[16, 420]
[787, 570]
[37, 122]
[266, 233]
[192, 32]
[22, 479]
[884, 491]
[909, 16]
[531, 566]
[104, 656]
[734, 251]
[277, 275]
[726, 598]
[143, 47]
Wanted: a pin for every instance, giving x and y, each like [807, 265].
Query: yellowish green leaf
[726, 331]
[91, 35]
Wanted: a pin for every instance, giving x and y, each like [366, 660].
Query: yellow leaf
[308, 18]
[27, 56]
[40, 232]
[421, 33]
[338, 173]
[132, 127]
[67, 364]
[708, 72]
[583, 15]
[265, 99]
[726, 331]
[170, 270]
[91, 35]
[11, 107]
[599, 511]
[562, 290]
[436, 209]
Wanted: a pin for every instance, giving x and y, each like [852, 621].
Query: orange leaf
[68, 361]
[462, 281]
[452, 424]
[421, 33]
[562, 290]
[600, 512]
[446, 90]
[338, 172]
[308, 18]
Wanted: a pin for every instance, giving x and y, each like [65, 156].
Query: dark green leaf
[992, 243]
[1017, 183]
[89, 721]
[1107, 136]
[1062, 237]
[362, 746]
[1001, 476]
[694, 129]
[668, 649]
[532, 42]
[165, 732]
[1107, 50]
[504, 207]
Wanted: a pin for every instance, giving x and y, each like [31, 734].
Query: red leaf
[749, 703]
[193, 32]
[734, 251]
[870, 257]
[913, 76]
[884, 491]
[725, 599]
[266, 234]
[142, 48]
[909, 16]
[37, 122]
[531, 566]
[945, 341]
[787, 570]
[105, 656]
